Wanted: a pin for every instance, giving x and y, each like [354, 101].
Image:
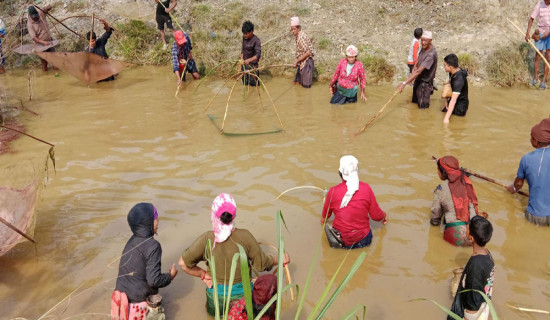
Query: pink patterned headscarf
[223, 203]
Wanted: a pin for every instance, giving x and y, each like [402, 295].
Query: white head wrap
[348, 169]
[352, 51]
[427, 35]
[294, 21]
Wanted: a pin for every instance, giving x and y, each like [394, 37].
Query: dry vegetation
[382, 29]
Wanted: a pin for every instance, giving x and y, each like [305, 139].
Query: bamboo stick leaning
[379, 113]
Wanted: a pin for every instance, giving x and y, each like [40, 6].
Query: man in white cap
[423, 73]
[304, 54]
[352, 202]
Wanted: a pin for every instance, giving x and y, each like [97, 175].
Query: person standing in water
[458, 103]
[423, 73]
[304, 63]
[535, 168]
[348, 77]
[251, 52]
[353, 204]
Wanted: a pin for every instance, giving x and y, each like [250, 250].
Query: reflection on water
[130, 140]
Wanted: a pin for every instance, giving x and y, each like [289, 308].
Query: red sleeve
[327, 209]
[375, 211]
[336, 75]
[362, 77]
[416, 48]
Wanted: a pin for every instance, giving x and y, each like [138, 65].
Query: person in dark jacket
[97, 46]
[139, 272]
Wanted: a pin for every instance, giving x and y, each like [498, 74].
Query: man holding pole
[39, 30]
[542, 12]
[423, 73]
[534, 168]
[163, 17]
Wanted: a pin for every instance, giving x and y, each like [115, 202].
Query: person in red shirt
[352, 203]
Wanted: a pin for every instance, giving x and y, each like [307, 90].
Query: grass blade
[212, 264]
[327, 288]
[487, 300]
[353, 311]
[245, 275]
[280, 248]
[447, 311]
[230, 286]
[344, 282]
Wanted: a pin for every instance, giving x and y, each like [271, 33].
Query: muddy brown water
[130, 140]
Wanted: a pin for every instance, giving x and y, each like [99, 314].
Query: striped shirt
[542, 11]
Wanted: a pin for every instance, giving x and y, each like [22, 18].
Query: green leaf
[230, 287]
[245, 275]
[212, 265]
[281, 248]
[447, 311]
[344, 282]
[487, 300]
[353, 311]
[328, 287]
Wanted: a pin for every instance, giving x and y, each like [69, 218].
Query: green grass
[506, 66]
[324, 43]
[230, 18]
[377, 68]
[470, 63]
[300, 11]
[137, 42]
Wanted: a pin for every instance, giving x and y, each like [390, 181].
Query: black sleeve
[155, 279]
[105, 36]
[457, 84]
[476, 279]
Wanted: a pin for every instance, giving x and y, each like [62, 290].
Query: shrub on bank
[136, 42]
[506, 66]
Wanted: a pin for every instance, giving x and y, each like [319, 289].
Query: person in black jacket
[97, 46]
[139, 272]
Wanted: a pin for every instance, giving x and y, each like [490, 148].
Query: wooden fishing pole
[91, 33]
[486, 179]
[26, 134]
[378, 114]
[531, 43]
[9, 225]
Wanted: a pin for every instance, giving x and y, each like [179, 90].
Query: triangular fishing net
[18, 200]
[87, 67]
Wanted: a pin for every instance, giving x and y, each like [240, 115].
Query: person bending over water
[139, 271]
[224, 238]
[455, 202]
[352, 203]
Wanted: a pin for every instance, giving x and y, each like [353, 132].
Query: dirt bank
[380, 28]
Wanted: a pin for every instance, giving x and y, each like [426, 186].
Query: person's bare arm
[516, 186]
[172, 6]
[301, 58]
[527, 34]
[196, 272]
[450, 108]
[416, 72]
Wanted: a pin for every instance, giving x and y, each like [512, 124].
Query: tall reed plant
[321, 306]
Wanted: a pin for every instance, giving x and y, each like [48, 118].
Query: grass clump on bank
[136, 42]
[469, 63]
[506, 66]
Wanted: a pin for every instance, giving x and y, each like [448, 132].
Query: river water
[131, 140]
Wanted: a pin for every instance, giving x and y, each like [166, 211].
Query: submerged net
[18, 199]
[87, 67]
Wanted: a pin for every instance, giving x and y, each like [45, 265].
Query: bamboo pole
[59, 21]
[227, 105]
[9, 225]
[91, 32]
[26, 134]
[287, 271]
[528, 309]
[378, 114]
[486, 179]
[531, 43]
